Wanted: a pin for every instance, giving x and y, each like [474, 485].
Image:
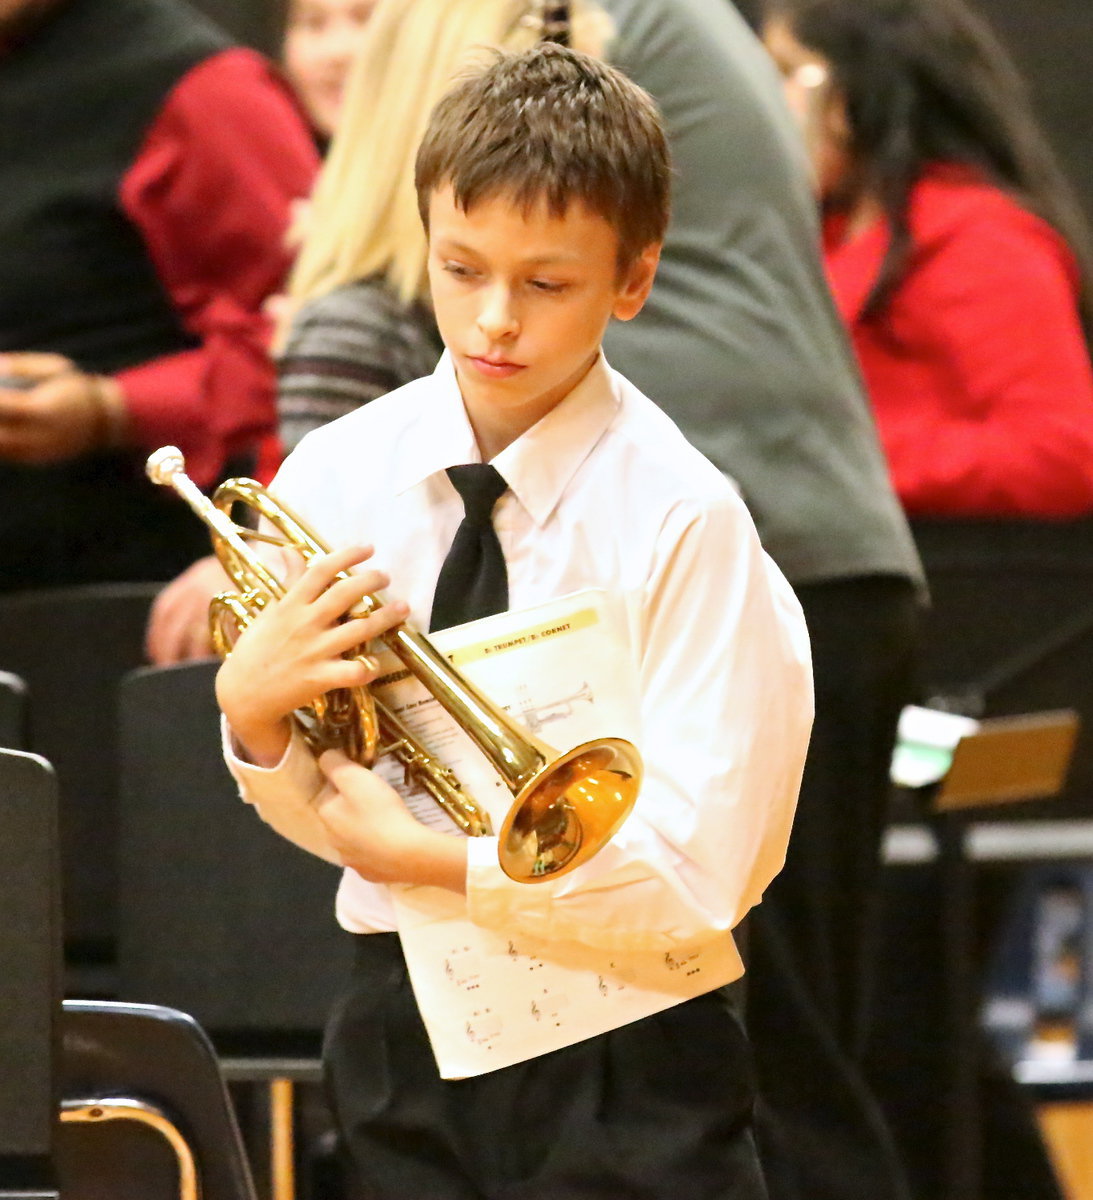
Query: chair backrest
[219, 916]
[30, 968]
[1014, 991]
[1041, 977]
[13, 711]
[129, 1075]
[1085, 1008]
[71, 646]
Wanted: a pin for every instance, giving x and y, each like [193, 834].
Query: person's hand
[279, 308]
[178, 624]
[375, 834]
[61, 413]
[292, 652]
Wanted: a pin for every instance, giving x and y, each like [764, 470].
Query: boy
[543, 184]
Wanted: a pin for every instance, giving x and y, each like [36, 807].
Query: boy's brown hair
[554, 125]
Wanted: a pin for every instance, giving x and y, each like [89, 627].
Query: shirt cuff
[293, 782]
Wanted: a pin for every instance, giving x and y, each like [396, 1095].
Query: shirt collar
[442, 435]
[540, 463]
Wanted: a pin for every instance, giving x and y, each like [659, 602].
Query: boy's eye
[459, 270]
[552, 286]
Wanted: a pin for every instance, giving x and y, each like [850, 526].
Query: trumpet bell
[569, 810]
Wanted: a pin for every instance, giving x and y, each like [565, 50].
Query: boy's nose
[497, 318]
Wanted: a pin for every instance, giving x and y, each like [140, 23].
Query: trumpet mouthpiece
[163, 464]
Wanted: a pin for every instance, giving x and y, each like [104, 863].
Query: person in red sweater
[956, 256]
[961, 267]
[147, 177]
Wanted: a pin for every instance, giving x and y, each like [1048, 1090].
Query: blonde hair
[363, 218]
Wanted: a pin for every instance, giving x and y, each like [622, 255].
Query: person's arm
[210, 193]
[289, 654]
[726, 697]
[51, 411]
[285, 794]
[340, 811]
[727, 708]
[1011, 431]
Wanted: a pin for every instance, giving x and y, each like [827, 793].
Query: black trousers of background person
[660, 1109]
[821, 1132]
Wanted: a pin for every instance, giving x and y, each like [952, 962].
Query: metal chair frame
[130, 1108]
[150, 1067]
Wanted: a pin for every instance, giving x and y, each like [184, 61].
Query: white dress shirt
[604, 492]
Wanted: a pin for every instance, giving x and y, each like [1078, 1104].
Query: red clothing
[211, 192]
[978, 369]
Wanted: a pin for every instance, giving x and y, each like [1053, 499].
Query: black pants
[812, 940]
[658, 1110]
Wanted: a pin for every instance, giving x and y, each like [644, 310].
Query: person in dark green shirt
[740, 344]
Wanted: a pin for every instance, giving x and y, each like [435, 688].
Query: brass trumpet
[565, 807]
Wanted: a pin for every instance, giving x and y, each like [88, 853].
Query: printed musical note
[548, 1007]
[517, 956]
[613, 985]
[687, 965]
[463, 967]
[483, 1027]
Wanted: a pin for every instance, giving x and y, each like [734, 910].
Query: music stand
[999, 761]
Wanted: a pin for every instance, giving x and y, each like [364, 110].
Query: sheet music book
[566, 672]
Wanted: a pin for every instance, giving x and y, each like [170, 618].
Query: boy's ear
[637, 283]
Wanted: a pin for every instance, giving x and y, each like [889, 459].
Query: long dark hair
[926, 82]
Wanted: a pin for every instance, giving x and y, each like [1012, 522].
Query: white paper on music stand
[565, 670]
[925, 745]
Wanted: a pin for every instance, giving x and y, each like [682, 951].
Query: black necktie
[473, 581]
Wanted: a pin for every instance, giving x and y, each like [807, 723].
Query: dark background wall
[255, 22]
[1052, 43]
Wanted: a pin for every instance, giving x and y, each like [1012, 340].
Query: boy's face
[522, 301]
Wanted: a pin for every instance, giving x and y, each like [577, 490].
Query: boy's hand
[376, 835]
[292, 652]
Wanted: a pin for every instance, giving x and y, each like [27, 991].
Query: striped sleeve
[345, 349]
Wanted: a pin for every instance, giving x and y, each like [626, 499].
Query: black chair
[30, 974]
[218, 915]
[1045, 959]
[1085, 1008]
[13, 711]
[71, 646]
[144, 1109]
